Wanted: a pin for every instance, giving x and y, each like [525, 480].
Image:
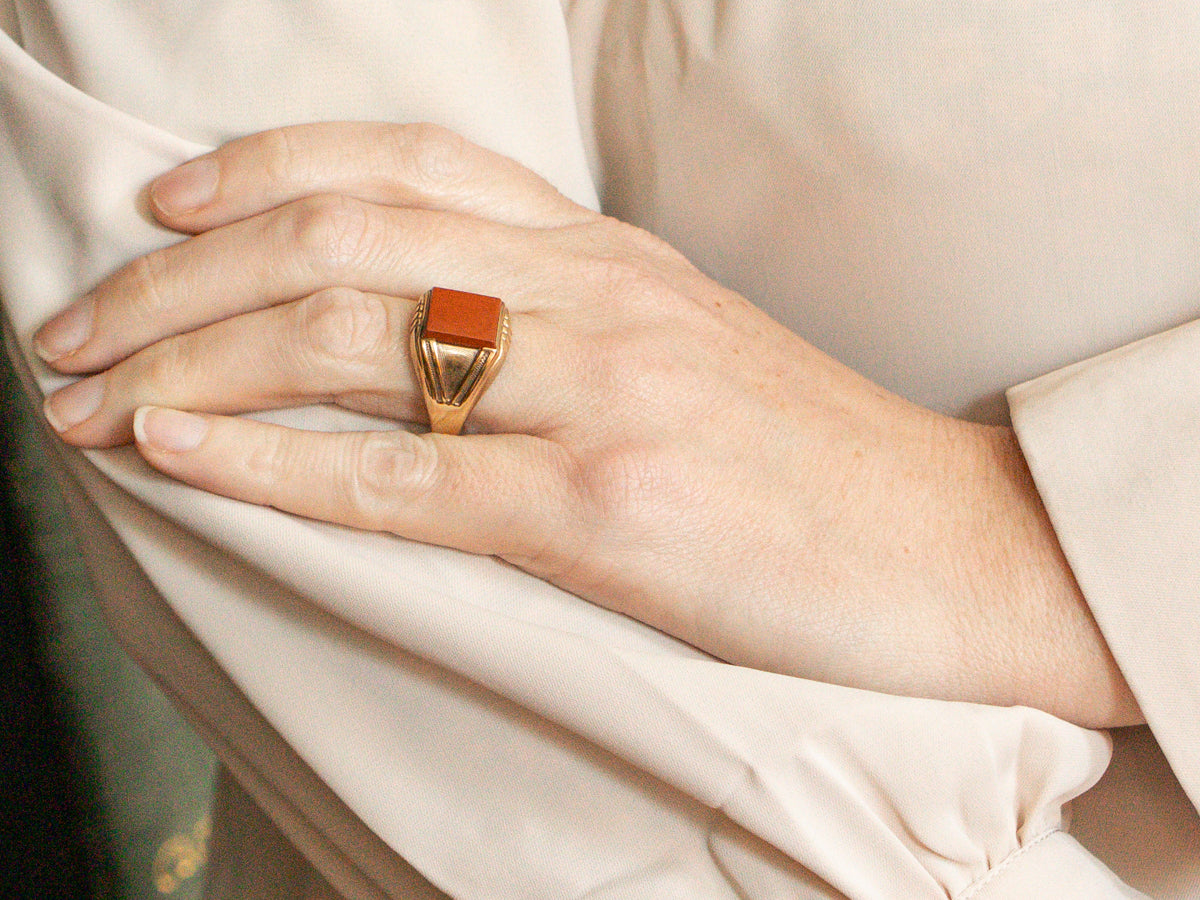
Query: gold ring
[458, 342]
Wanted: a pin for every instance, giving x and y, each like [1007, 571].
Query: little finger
[503, 495]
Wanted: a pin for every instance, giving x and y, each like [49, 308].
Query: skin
[655, 443]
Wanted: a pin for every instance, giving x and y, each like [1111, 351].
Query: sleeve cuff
[1113, 444]
[1053, 865]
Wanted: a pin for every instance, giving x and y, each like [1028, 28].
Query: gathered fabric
[461, 728]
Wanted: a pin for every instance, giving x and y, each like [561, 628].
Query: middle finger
[290, 252]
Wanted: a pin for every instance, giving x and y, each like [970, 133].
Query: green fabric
[146, 779]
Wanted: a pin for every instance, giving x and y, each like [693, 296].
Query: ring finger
[339, 345]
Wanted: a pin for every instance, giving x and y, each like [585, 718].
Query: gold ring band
[458, 342]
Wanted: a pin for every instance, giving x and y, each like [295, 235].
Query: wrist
[1041, 630]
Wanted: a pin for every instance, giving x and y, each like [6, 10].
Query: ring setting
[458, 341]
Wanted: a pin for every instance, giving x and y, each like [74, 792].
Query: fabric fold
[504, 737]
[1112, 444]
[1051, 865]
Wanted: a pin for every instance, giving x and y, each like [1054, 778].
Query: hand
[655, 443]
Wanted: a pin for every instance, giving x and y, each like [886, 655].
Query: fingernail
[187, 188]
[67, 408]
[67, 332]
[168, 429]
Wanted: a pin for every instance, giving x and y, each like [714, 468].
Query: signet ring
[458, 341]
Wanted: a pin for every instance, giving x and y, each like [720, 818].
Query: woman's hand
[655, 443]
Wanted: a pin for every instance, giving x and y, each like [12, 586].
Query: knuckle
[281, 157]
[329, 233]
[342, 325]
[621, 485]
[646, 246]
[625, 264]
[388, 472]
[430, 154]
[627, 370]
[166, 363]
[648, 243]
[262, 463]
[148, 294]
[619, 279]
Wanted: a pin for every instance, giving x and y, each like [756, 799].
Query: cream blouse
[953, 197]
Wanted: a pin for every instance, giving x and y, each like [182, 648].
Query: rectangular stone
[458, 317]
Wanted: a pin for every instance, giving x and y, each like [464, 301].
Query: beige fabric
[504, 738]
[956, 197]
[1094, 434]
[1109, 441]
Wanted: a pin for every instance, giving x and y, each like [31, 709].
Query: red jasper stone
[468, 320]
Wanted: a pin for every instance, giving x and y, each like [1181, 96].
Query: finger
[338, 346]
[282, 255]
[502, 495]
[404, 165]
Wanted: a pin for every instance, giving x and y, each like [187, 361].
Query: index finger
[397, 165]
